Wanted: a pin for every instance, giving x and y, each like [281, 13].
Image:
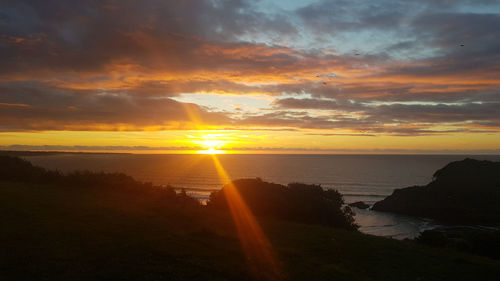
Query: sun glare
[211, 143]
[211, 150]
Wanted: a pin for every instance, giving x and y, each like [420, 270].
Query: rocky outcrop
[359, 205]
[466, 191]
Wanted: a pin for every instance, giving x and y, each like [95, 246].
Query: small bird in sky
[461, 45]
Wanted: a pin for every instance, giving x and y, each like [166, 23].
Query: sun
[212, 143]
[211, 150]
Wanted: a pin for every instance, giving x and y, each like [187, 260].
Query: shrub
[296, 202]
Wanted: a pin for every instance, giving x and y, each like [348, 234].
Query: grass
[75, 233]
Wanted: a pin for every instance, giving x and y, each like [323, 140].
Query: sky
[313, 76]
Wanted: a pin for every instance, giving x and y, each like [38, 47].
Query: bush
[296, 202]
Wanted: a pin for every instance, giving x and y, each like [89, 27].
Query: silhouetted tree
[296, 202]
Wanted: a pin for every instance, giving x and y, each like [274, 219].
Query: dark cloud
[436, 113]
[331, 17]
[87, 35]
[373, 117]
[115, 65]
[340, 134]
[309, 103]
[477, 32]
[37, 106]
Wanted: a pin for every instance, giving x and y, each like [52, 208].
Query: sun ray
[256, 247]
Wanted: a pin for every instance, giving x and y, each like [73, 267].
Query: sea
[367, 178]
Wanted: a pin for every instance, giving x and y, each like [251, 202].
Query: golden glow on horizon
[247, 142]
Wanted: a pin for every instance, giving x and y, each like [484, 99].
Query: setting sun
[211, 150]
[211, 143]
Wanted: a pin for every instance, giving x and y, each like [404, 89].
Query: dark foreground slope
[53, 233]
[97, 230]
[466, 191]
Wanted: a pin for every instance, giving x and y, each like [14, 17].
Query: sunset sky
[347, 76]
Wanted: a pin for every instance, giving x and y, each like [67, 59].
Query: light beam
[256, 247]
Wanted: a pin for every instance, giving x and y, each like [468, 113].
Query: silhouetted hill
[14, 169]
[17, 169]
[296, 202]
[466, 191]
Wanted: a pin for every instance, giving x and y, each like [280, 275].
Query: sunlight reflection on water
[391, 225]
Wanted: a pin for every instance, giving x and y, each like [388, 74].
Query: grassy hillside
[54, 232]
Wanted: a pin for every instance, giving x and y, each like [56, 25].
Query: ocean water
[367, 178]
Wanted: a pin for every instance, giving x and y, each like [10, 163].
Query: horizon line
[261, 152]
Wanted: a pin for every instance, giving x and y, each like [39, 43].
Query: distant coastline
[180, 151]
[49, 152]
